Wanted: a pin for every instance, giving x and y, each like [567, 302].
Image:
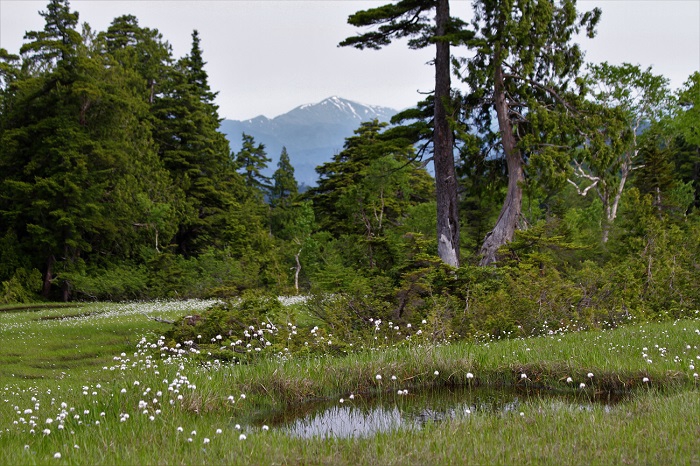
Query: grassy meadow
[95, 384]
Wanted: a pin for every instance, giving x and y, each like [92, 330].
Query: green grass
[68, 362]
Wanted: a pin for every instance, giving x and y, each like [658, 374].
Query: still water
[365, 417]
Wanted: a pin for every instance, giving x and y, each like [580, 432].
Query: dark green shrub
[118, 283]
[23, 287]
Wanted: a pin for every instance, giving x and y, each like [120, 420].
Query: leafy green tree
[295, 224]
[522, 72]
[629, 99]
[412, 19]
[684, 126]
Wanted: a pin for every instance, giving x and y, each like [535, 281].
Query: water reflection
[365, 417]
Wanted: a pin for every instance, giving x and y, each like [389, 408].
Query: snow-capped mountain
[312, 133]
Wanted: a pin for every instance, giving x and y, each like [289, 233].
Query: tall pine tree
[412, 19]
[196, 154]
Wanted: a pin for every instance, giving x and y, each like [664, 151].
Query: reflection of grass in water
[360, 416]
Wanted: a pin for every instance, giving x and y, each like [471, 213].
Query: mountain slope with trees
[312, 133]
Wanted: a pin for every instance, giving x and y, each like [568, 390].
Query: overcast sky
[267, 57]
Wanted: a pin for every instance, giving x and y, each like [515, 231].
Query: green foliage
[217, 332]
[23, 287]
[251, 160]
[117, 185]
[284, 185]
[522, 98]
[118, 283]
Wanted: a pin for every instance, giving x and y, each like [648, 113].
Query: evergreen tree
[283, 195]
[251, 160]
[522, 72]
[411, 18]
[284, 185]
[74, 155]
[686, 130]
[140, 49]
[366, 191]
[9, 72]
[195, 153]
[656, 172]
[56, 43]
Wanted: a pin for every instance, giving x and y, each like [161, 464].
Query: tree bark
[48, 277]
[443, 145]
[297, 271]
[508, 219]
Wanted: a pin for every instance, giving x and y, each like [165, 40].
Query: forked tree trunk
[508, 219]
[443, 143]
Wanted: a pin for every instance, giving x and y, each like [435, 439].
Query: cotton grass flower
[582, 385]
[470, 375]
[57, 455]
[242, 437]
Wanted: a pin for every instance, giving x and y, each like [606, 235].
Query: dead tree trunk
[297, 271]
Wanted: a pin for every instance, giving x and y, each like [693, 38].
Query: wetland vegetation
[519, 400]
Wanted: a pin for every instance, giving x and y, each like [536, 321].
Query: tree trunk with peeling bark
[443, 146]
[512, 206]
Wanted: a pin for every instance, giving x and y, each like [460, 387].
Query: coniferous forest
[563, 191]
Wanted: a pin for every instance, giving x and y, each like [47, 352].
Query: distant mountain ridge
[312, 133]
